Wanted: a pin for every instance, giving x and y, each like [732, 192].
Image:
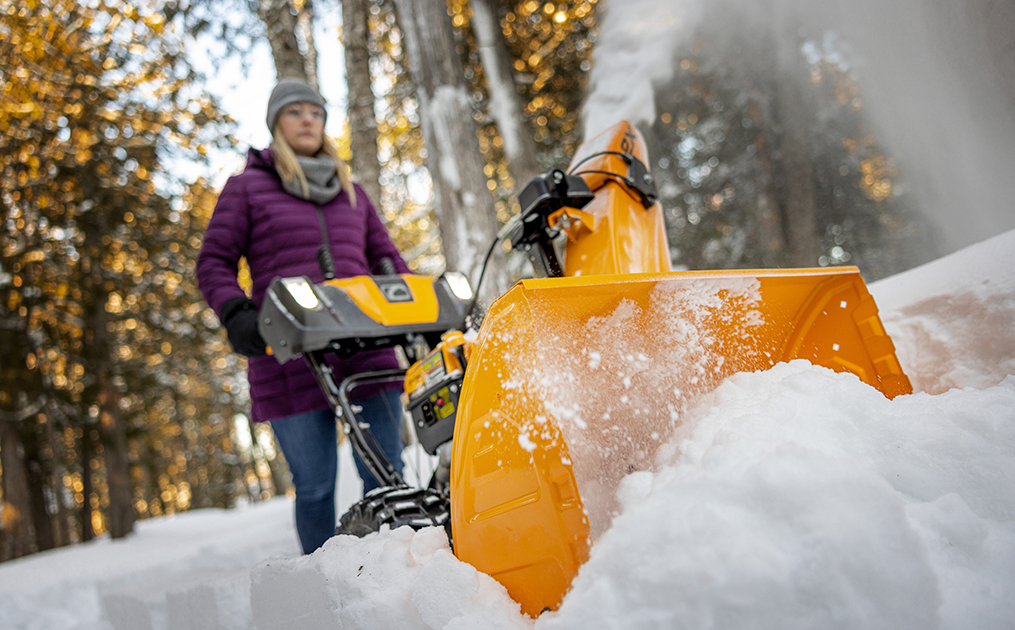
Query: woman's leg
[383, 412]
[309, 443]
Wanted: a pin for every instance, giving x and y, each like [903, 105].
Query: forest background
[120, 397]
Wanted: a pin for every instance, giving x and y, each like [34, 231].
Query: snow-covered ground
[792, 498]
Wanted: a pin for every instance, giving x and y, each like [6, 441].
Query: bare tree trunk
[18, 532]
[114, 452]
[87, 487]
[279, 471]
[305, 31]
[770, 233]
[999, 19]
[106, 396]
[38, 479]
[794, 117]
[464, 206]
[255, 456]
[362, 118]
[62, 531]
[506, 104]
[280, 26]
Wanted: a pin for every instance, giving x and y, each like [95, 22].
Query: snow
[637, 39]
[792, 498]
[952, 319]
[918, 62]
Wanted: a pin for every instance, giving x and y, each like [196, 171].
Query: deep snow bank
[953, 319]
[800, 498]
[397, 579]
[794, 497]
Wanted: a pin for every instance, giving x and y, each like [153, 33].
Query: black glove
[239, 316]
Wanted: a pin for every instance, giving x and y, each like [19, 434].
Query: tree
[525, 64]
[17, 536]
[464, 207]
[362, 118]
[763, 158]
[103, 98]
[792, 104]
[506, 105]
[284, 23]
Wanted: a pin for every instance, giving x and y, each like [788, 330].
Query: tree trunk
[280, 27]
[279, 471]
[255, 449]
[506, 104]
[87, 487]
[38, 480]
[999, 22]
[793, 118]
[103, 392]
[305, 31]
[114, 452]
[18, 386]
[362, 118]
[18, 533]
[768, 220]
[62, 517]
[464, 206]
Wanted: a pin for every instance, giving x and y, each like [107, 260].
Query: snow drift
[795, 497]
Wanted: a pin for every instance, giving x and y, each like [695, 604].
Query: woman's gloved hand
[239, 316]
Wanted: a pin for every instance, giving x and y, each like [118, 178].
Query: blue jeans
[308, 441]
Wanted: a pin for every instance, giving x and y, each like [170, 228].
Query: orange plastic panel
[575, 382]
[625, 237]
[620, 138]
[364, 291]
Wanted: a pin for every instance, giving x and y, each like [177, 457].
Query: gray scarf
[322, 179]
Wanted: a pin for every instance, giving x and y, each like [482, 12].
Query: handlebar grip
[388, 267]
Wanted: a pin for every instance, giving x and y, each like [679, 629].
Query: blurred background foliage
[120, 396]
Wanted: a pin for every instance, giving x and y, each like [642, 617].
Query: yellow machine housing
[615, 233]
[433, 387]
[410, 302]
[575, 382]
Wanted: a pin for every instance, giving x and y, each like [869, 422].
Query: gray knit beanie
[287, 92]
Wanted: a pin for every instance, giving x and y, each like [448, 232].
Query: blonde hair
[290, 171]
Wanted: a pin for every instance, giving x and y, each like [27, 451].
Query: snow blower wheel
[395, 507]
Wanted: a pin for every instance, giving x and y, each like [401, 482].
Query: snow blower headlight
[459, 285]
[302, 292]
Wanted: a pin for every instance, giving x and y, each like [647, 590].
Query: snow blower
[577, 378]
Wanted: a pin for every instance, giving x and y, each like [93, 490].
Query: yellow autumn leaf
[155, 22]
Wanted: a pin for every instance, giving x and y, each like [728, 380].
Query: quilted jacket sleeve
[379, 245]
[225, 241]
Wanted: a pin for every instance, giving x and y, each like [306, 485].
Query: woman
[275, 213]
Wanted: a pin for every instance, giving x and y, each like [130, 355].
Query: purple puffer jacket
[280, 234]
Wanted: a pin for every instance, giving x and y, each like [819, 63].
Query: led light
[302, 292]
[459, 285]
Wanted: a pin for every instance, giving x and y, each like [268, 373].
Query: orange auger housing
[575, 381]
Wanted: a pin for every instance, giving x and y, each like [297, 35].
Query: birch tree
[362, 118]
[506, 105]
[464, 206]
[284, 24]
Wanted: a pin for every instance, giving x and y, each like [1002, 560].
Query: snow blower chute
[576, 379]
